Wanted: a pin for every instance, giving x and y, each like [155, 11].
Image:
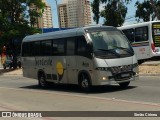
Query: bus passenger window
[141, 34]
[82, 46]
[27, 49]
[37, 48]
[129, 34]
[71, 46]
[46, 48]
[58, 47]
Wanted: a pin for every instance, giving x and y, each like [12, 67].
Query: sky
[130, 12]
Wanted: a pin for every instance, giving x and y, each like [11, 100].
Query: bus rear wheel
[42, 81]
[84, 82]
[124, 84]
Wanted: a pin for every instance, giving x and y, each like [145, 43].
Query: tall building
[47, 16]
[74, 13]
[46, 20]
[63, 17]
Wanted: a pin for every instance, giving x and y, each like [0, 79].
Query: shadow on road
[76, 89]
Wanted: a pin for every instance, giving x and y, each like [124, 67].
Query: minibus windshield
[110, 44]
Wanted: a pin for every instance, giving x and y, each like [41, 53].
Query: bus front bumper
[112, 80]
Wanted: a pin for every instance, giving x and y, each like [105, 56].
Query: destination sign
[156, 34]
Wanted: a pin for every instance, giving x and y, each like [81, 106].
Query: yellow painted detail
[59, 67]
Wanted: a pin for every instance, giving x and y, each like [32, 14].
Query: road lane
[144, 90]
[24, 93]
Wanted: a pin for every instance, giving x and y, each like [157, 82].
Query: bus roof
[62, 33]
[136, 25]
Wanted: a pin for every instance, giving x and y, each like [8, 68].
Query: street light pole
[58, 14]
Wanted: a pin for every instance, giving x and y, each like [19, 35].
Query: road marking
[85, 96]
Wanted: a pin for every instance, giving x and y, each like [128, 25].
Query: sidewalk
[150, 68]
[10, 71]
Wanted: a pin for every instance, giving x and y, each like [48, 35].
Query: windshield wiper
[125, 49]
[110, 51]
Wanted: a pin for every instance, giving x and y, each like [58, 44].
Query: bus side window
[58, 47]
[46, 48]
[27, 49]
[71, 46]
[82, 46]
[37, 48]
[24, 49]
[141, 34]
[129, 34]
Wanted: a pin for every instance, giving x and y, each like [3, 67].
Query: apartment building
[46, 20]
[74, 13]
[63, 15]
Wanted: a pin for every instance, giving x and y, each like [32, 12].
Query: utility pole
[58, 14]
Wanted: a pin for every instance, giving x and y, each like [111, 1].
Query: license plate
[125, 75]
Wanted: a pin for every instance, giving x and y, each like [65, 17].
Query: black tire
[42, 81]
[10, 67]
[19, 64]
[84, 82]
[124, 84]
[4, 67]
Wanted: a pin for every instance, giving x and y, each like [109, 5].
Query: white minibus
[87, 56]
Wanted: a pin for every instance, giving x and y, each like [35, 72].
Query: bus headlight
[105, 78]
[102, 68]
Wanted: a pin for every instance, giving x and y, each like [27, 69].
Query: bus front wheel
[124, 84]
[84, 82]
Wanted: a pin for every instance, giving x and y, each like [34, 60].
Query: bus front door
[71, 70]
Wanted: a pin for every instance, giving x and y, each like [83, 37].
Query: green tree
[156, 8]
[35, 10]
[146, 10]
[13, 13]
[14, 23]
[114, 12]
[95, 10]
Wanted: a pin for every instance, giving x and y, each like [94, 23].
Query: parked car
[8, 63]
[11, 64]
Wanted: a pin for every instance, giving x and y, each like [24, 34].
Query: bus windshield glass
[156, 34]
[110, 44]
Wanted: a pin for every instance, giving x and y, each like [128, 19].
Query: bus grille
[120, 69]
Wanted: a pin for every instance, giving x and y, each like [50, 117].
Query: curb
[11, 75]
[149, 65]
[149, 74]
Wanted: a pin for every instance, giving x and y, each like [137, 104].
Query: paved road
[19, 93]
